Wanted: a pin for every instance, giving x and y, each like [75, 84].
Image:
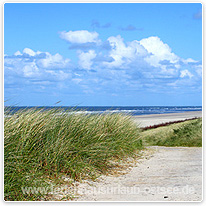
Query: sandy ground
[164, 174]
[153, 119]
[169, 174]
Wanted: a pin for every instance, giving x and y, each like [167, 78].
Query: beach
[168, 174]
[163, 174]
[109, 159]
[155, 119]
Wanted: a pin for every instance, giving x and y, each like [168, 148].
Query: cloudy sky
[103, 54]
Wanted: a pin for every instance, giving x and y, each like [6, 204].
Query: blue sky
[103, 54]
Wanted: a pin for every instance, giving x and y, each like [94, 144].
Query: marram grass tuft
[41, 145]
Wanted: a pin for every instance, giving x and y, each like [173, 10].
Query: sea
[132, 110]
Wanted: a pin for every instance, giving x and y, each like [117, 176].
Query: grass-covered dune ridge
[184, 134]
[40, 144]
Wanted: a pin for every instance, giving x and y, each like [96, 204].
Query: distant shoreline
[154, 119]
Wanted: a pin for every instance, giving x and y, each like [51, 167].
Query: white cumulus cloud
[53, 61]
[17, 53]
[159, 51]
[134, 65]
[124, 53]
[80, 37]
[37, 65]
[85, 59]
[28, 51]
[185, 73]
[188, 60]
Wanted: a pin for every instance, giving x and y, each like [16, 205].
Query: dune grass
[42, 145]
[185, 134]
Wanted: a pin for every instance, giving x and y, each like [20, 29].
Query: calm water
[138, 110]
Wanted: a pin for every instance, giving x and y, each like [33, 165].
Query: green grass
[43, 145]
[185, 134]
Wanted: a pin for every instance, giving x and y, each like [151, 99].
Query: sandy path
[147, 120]
[170, 174]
